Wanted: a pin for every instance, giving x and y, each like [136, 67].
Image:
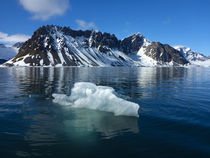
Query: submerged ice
[102, 98]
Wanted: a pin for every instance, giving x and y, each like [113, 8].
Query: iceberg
[102, 98]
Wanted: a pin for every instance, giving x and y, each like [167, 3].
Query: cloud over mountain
[83, 25]
[44, 9]
[5, 38]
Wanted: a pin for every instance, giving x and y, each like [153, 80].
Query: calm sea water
[174, 115]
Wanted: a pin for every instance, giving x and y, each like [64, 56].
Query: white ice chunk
[102, 98]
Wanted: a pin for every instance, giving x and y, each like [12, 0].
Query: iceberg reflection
[85, 121]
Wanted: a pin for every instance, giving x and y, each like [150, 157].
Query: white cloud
[44, 9]
[83, 25]
[5, 38]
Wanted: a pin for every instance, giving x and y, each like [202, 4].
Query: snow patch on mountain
[19, 62]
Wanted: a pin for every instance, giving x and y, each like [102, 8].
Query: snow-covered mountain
[8, 52]
[61, 46]
[193, 57]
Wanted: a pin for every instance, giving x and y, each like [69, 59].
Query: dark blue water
[174, 115]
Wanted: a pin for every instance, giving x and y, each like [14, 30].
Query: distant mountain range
[8, 52]
[193, 57]
[61, 46]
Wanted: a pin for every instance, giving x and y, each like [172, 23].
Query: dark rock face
[132, 43]
[165, 53]
[103, 41]
[73, 33]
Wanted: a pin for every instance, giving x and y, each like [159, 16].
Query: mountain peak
[183, 48]
[138, 34]
[132, 43]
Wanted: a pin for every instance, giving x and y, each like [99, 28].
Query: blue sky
[175, 22]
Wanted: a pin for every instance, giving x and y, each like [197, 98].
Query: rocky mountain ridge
[61, 46]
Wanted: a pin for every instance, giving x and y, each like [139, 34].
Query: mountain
[61, 46]
[18, 45]
[194, 57]
[8, 52]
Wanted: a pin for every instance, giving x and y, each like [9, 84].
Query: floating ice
[102, 98]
